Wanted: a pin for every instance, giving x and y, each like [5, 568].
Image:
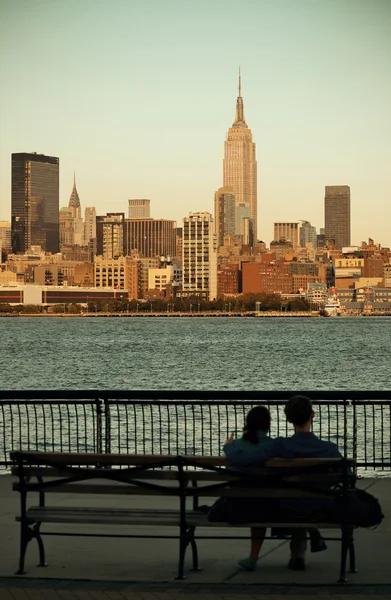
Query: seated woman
[255, 432]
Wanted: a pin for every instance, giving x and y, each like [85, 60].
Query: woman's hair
[257, 419]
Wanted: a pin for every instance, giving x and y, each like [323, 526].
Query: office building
[224, 214]
[288, 232]
[150, 237]
[139, 208]
[337, 215]
[272, 277]
[199, 256]
[89, 224]
[5, 235]
[308, 234]
[110, 235]
[240, 165]
[158, 279]
[35, 202]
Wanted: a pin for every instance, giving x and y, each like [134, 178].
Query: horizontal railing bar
[35, 401]
[352, 395]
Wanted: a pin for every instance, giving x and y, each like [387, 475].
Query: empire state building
[240, 167]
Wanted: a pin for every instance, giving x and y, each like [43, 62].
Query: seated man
[303, 444]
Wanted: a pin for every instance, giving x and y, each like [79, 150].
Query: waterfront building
[317, 294]
[7, 276]
[111, 272]
[240, 165]
[110, 235]
[42, 295]
[158, 279]
[35, 202]
[199, 256]
[5, 235]
[387, 276]
[150, 237]
[300, 283]
[308, 234]
[228, 281]
[139, 208]
[266, 277]
[288, 232]
[337, 214]
[224, 214]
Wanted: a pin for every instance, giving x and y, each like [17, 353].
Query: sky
[137, 96]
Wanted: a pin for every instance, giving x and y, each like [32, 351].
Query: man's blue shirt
[300, 445]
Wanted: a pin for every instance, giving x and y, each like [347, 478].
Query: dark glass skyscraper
[35, 202]
[337, 214]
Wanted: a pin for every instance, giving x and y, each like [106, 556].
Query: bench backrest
[175, 475]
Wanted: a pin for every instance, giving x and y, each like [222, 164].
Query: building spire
[74, 200]
[239, 116]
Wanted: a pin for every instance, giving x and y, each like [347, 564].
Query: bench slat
[173, 475]
[147, 517]
[132, 490]
[87, 458]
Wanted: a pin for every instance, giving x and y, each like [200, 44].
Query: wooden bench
[185, 478]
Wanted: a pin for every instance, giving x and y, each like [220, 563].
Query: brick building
[228, 281]
[266, 277]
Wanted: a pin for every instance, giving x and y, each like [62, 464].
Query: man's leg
[257, 537]
[298, 546]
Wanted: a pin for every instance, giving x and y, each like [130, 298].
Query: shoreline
[248, 314]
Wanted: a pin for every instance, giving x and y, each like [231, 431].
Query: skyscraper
[240, 165]
[110, 235]
[224, 214]
[75, 208]
[89, 224]
[139, 208]
[35, 202]
[287, 231]
[308, 234]
[150, 237]
[199, 256]
[337, 214]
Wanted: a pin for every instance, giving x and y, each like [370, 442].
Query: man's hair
[298, 410]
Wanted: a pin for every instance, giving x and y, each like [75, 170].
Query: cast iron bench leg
[182, 553]
[41, 547]
[25, 537]
[194, 549]
[345, 544]
[352, 553]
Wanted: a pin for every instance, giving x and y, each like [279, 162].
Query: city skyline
[319, 112]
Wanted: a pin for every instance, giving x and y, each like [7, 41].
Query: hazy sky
[137, 96]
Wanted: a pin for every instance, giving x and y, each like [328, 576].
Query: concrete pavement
[135, 567]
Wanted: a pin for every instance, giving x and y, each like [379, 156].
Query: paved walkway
[143, 569]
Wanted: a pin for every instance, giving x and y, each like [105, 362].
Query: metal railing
[185, 422]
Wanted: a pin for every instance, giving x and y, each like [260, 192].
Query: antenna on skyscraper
[240, 84]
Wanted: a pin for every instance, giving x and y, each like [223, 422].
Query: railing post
[354, 435]
[107, 426]
[98, 426]
[345, 431]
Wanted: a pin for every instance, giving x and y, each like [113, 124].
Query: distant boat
[332, 307]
